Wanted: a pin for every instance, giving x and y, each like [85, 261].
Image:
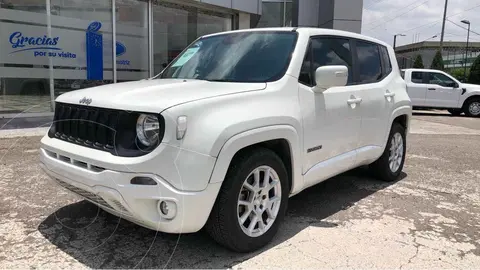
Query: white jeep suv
[234, 126]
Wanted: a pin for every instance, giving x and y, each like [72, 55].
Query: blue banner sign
[94, 52]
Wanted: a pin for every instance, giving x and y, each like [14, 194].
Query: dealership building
[453, 53]
[48, 47]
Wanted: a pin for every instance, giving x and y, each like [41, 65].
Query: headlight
[148, 128]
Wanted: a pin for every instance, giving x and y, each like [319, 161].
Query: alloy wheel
[259, 201]
[474, 108]
[396, 152]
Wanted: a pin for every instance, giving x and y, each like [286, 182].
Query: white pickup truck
[430, 88]
[233, 127]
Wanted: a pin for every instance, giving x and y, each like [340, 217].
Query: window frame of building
[285, 14]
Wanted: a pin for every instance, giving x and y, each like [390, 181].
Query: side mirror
[452, 84]
[330, 76]
[456, 85]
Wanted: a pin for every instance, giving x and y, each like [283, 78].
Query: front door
[442, 91]
[331, 119]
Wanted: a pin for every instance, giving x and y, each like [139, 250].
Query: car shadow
[100, 240]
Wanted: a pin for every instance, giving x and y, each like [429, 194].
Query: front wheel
[472, 108]
[251, 203]
[389, 166]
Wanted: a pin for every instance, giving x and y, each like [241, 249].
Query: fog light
[167, 209]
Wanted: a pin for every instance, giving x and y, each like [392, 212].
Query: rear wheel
[455, 112]
[389, 166]
[251, 203]
[472, 107]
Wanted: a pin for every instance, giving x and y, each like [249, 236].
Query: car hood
[154, 95]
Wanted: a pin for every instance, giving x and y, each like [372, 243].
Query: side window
[332, 51]
[387, 64]
[402, 73]
[369, 63]
[306, 76]
[417, 77]
[440, 79]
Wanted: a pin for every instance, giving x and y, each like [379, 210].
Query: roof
[312, 31]
[436, 44]
[422, 70]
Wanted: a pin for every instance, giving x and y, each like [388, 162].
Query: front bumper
[112, 191]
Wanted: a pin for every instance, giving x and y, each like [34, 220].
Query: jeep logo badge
[85, 101]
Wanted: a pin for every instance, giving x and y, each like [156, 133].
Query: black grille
[86, 194]
[89, 126]
[104, 129]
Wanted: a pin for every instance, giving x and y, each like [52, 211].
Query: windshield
[235, 57]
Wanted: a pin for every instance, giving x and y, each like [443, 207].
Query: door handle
[354, 101]
[389, 94]
[432, 89]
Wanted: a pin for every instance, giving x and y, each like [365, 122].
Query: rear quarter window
[386, 63]
[417, 77]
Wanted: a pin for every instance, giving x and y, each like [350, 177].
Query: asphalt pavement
[430, 218]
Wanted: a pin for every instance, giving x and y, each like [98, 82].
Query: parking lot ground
[428, 219]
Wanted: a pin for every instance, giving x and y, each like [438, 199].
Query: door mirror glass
[330, 76]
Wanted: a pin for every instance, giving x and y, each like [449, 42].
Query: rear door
[377, 86]
[417, 87]
[442, 91]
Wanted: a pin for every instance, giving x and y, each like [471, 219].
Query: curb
[23, 132]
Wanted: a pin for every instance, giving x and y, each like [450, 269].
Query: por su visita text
[54, 54]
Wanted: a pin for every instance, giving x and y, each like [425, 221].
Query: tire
[472, 107]
[455, 112]
[382, 168]
[224, 225]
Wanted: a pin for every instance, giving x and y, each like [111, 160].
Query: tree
[475, 72]
[437, 62]
[457, 73]
[418, 62]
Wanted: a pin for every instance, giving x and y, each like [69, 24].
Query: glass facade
[49, 47]
[176, 26]
[131, 20]
[276, 13]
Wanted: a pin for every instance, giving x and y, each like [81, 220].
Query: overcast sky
[384, 18]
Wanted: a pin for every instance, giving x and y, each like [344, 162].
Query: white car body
[427, 93]
[325, 134]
